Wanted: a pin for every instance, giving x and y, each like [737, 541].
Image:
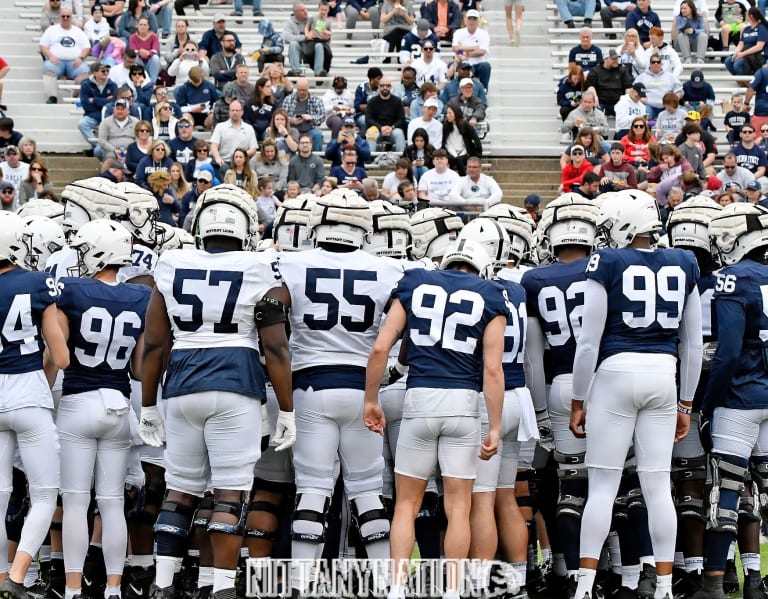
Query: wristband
[683, 410]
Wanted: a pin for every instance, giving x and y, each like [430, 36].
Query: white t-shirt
[479, 39]
[96, 31]
[15, 175]
[434, 72]
[65, 44]
[434, 129]
[438, 185]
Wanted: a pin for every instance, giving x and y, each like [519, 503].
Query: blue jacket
[212, 44]
[334, 149]
[189, 95]
[642, 22]
[452, 90]
[147, 166]
[93, 99]
[429, 12]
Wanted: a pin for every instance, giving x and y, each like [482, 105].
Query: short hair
[730, 155]
[671, 98]
[590, 177]
[195, 74]
[374, 72]
[410, 69]
[370, 183]
[473, 159]
[689, 128]
[590, 94]
[129, 53]
[305, 136]
[123, 90]
[657, 31]
[402, 185]
[6, 124]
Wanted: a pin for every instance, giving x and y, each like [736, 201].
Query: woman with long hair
[669, 172]
[569, 90]
[128, 23]
[179, 183]
[138, 149]
[593, 150]
[164, 123]
[202, 155]
[631, 53]
[689, 33]
[35, 182]
[279, 131]
[28, 150]
[403, 172]
[146, 44]
[258, 110]
[636, 143]
[419, 152]
[748, 56]
[267, 163]
[460, 140]
[278, 82]
[157, 159]
[159, 183]
[240, 173]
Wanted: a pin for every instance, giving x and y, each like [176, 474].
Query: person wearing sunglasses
[35, 183]
[188, 57]
[13, 169]
[658, 82]
[573, 172]
[8, 201]
[182, 146]
[95, 93]
[64, 47]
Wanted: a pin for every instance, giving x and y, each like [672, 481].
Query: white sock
[750, 561]
[111, 591]
[521, 568]
[396, 592]
[166, 568]
[732, 550]
[205, 577]
[143, 561]
[679, 560]
[663, 586]
[586, 582]
[223, 579]
[71, 593]
[694, 564]
[630, 575]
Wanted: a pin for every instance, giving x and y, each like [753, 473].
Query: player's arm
[393, 328]
[534, 364]
[157, 340]
[274, 340]
[493, 382]
[136, 358]
[691, 345]
[587, 348]
[55, 332]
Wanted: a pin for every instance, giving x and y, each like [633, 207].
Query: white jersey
[143, 262]
[337, 301]
[513, 274]
[59, 263]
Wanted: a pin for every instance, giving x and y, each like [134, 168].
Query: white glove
[151, 427]
[285, 431]
[546, 439]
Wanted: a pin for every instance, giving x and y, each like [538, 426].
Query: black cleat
[731, 578]
[137, 582]
[646, 586]
[12, 590]
[753, 586]
[711, 588]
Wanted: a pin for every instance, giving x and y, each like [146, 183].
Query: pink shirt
[152, 43]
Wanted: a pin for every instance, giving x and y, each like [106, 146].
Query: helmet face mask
[519, 227]
[12, 245]
[75, 216]
[738, 230]
[99, 244]
[42, 237]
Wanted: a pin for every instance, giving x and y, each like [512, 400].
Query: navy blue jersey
[105, 321]
[739, 374]
[555, 296]
[448, 311]
[647, 292]
[514, 335]
[24, 296]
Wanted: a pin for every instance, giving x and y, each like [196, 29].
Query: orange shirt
[442, 14]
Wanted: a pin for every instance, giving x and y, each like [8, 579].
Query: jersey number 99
[642, 285]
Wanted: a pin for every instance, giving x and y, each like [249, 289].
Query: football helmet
[226, 211]
[100, 243]
[433, 230]
[47, 208]
[625, 215]
[42, 237]
[470, 252]
[12, 246]
[391, 230]
[738, 229]
[518, 224]
[91, 199]
[289, 230]
[141, 214]
[688, 223]
[567, 220]
[341, 217]
[492, 236]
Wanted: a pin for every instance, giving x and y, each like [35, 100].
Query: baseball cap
[697, 79]
[96, 7]
[693, 115]
[466, 81]
[534, 199]
[11, 150]
[465, 65]
[733, 185]
[6, 185]
[186, 118]
[754, 185]
[612, 54]
[431, 102]
[219, 17]
[423, 27]
[204, 174]
[472, 14]
[98, 65]
[577, 147]
[640, 89]
[348, 122]
[121, 102]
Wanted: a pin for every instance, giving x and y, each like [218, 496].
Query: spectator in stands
[241, 89]
[306, 168]
[436, 184]
[163, 13]
[240, 174]
[267, 164]
[210, 43]
[238, 12]
[64, 48]
[731, 17]
[429, 123]
[608, 81]
[733, 173]
[202, 182]
[569, 90]
[697, 92]
[28, 150]
[339, 103]
[160, 186]
[735, 118]
[642, 19]
[348, 173]
[754, 194]
[573, 172]
[444, 17]
[460, 140]
[116, 132]
[293, 35]
[393, 179]
[370, 190]
[407, 197]
[658, 83]
[202, 158]
[220, 111]
[613, 10]
[50, 14]
[472, 44]
[397, 18]
[470, 106]
[279, 83]
[668, 173]
[632, 54]
[586, 54]
[430, 69]
[180, 39]
[164, 123]
[407, 90]
[36, 182]
[364, 10]
[225, 62]
[272, 47]
[8, 200]
[123, 93]
[590, 186]
[258, 109]
[113, 10]
[138, 148]
[129, 22]
[689, 33]
[189, 57]
[617, 173]
[280, 132]
[112, 170]
[428, 91]
[267, 204]
[576, 8]
[348, 137]
[629, 106]
[146, 44]
[758, 89]
[420, 153]
[670, 61]
[142, 89]
[182, 146]
[763, 143]
[306, 113]
[157, 159]
[749, 155]
[97, 27]
[95, 92]
[636, 142]
[364, 92]
[13, 170]
[197, 96]
[452, 88]
[707, 143]
[121, 72]
[410, 47]
[691, 149]
[587, 113]
[749, 55]
[317, 40]
[385, 112]
[476, 188]
[231, 135]
[593, 150]
[671, 120]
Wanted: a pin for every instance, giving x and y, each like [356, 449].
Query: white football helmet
[391, 230]
[45, 207]
[290, 229]
[625, 215]
[12, 246]
[42, 236]
[226, 211]
[688, 223]
[100, 243]
[518, 224]
[470, 252]
[142, 213]
[433, 230]
[492, 236]
[738, 229]
[567, 220]
[91, 199]
[341, 217]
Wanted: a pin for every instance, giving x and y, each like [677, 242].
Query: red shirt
[572, 175]
[636, 151]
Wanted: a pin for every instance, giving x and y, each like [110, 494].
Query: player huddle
[170, 404]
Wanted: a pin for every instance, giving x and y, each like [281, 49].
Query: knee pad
[148, 506]
[260, 533]
[309, 518]
[758, 466]
[172, 528]
[692, 508]
[371, 518]
[236, 509]
[202, 515]
[573, 493]
[635, 499]
[728, 474]
[689, 469]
